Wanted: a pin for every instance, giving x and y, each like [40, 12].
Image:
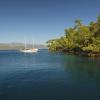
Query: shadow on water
[84, 74]
[85, 66]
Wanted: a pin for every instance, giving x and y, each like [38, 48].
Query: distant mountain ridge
[18, 46]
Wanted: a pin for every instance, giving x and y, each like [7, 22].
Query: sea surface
[48, 76]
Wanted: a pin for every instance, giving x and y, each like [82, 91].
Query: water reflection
[83, 71]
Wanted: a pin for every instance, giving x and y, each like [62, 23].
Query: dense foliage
[80, 39]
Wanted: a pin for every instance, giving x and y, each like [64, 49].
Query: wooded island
[83, 40]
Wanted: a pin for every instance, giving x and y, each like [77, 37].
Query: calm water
[47, 76]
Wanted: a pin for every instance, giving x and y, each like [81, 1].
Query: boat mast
[33, 44]
[25, 44]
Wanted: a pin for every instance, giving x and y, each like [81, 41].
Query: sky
[41, 20]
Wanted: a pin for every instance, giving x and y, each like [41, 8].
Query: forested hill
[80, 40]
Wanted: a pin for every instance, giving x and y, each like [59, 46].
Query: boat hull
[29, 51]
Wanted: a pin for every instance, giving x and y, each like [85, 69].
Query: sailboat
[30, 50]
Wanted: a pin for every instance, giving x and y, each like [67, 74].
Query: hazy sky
[40, 20]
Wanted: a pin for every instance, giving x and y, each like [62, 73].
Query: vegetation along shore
[82, 40]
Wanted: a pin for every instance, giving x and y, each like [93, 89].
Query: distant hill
[18, 46]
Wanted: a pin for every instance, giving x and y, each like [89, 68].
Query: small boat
[30, 50]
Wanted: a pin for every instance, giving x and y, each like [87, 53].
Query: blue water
[48, 76]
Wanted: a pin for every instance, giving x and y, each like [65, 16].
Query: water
[48, 76]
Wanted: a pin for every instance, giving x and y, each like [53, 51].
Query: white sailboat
[30, 50]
